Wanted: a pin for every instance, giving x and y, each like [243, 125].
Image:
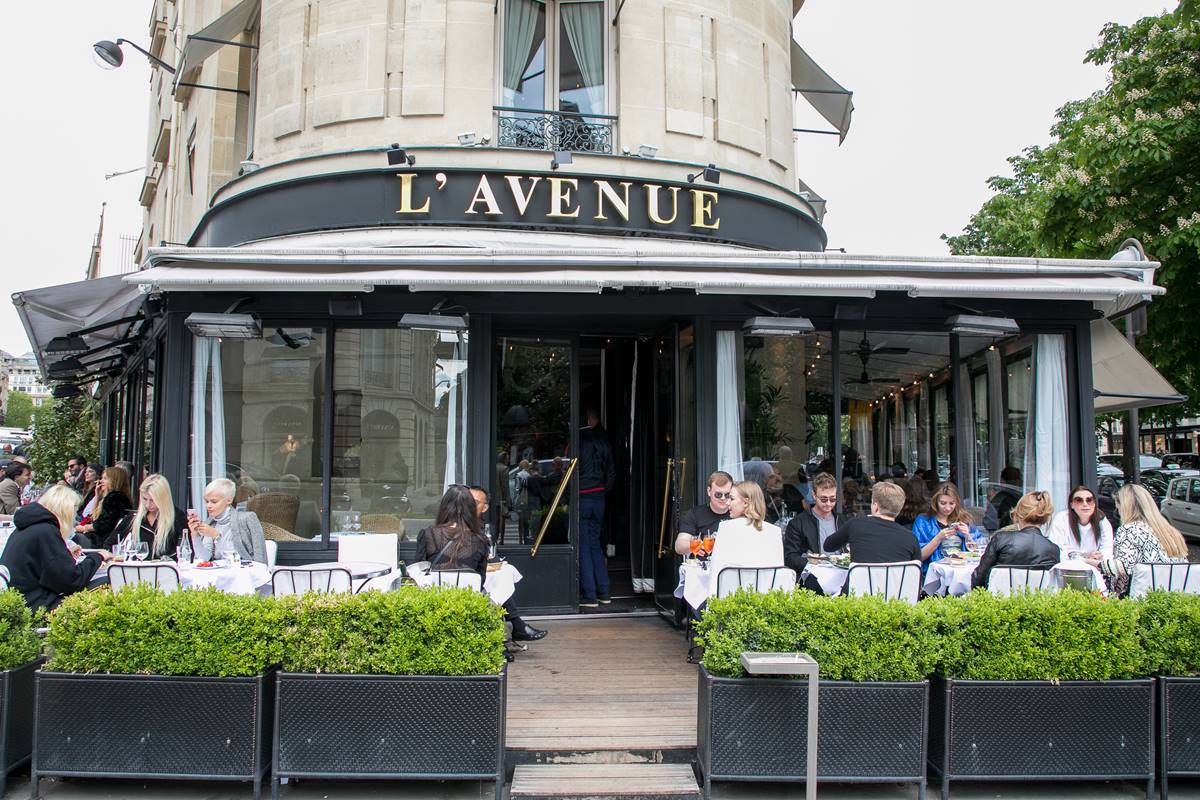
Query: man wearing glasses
[703, 520]
[809, 529]
[73, 475]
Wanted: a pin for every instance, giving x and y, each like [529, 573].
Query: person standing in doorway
[597, 474]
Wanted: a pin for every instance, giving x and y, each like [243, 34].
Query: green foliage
[61, 429]
[1169, 628]
[1036, 636]
[19, 413]
[140, 630]
[1123, 163]
[409, 632]
[19, 644]
[852, 638]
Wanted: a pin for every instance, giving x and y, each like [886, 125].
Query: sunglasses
[722, 495]
[1087, 501]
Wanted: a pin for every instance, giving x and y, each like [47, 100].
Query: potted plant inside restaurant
[20, 654]
[142, 684]
[1169, 624]
[1040, 686]
[392, 685]
[874, 657]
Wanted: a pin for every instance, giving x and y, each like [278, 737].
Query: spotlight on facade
[66, 390]
[984, 326]
[70, 345]
[397, 156]
[110, 56]
[647, 150]
[709, 173]
[777, 326]
[561, 157]
[246, 167]
[467, 139]
[434, 322]
[224, 326]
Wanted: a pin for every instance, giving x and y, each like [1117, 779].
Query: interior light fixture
[986, 326]
[396, 156]
[110, 56]
[70, 345]
[647, 150]
[224, 326]
[434, 322]
[777, 326]
[710, 173]
[560, 158]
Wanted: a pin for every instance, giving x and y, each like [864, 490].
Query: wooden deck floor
[603, 684]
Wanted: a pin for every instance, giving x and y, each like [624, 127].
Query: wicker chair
[383, 523]
[275, 533]
[276, 508]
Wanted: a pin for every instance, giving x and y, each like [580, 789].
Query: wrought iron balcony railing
[539, 129]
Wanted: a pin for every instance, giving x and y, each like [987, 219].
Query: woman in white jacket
[746, 539]
[1082, 528]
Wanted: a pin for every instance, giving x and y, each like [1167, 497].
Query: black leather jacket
[803, 535]
[1027, 547]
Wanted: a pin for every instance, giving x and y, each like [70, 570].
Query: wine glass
[696, 546]
[707, 544]
[143, 551]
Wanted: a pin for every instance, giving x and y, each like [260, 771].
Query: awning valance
[212, 37]
[1122, 378]
[831, 100]
[68, 308]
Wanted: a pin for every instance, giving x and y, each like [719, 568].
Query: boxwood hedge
[19, 644]
[1169, 630]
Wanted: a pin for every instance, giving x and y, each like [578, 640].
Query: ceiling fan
[864, 351]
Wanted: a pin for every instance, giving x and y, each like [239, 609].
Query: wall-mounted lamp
[397, 156]
[66, 368]
[467, 139]
[709, 173]
[560, 158]
[647, 150]
[246, 167]
[224, 326]
[778, 326]
[434, 322]
[70, 345]
[110, 56]
[984, 326]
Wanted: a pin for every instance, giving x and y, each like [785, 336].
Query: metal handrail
[548, 111]
[662, 529]
[553, 507]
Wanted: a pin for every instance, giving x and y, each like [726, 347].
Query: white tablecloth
[831, 578]
[500, 584]
[693, 584]
[948, 579]
[244, 579]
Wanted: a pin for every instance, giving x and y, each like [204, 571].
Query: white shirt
[1059, 532]
[740, 545]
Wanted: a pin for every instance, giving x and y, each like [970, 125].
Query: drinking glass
[235, 558]
[708, 542]
[143, 550]
[696, 546]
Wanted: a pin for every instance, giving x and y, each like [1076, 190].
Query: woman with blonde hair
[116, 503]
[1022, 544]
[1144, 537]
[157, 521]
[40, 557]
[746, 539]
[947, 527]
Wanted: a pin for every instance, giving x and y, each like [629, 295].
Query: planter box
[16, 717]
[389, 727]
[1073, 730]
[1179, 729]
[754, 729]
[152, 726]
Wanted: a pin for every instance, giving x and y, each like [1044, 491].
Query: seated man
[878, 539]
[704, 520]
[522, 630]
[809, 530]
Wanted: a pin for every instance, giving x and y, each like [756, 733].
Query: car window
[1179, 490]
[1194, 496]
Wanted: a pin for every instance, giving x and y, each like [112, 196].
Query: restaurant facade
[404, 244]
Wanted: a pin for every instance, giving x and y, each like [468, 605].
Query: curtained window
[554, 55]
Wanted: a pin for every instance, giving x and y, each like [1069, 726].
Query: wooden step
[604, 782]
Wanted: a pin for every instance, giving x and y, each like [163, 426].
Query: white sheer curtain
[861, 438]
[206, 374]
[1049, 442]
[584, 24]
[964, 428]
[729, 416]
[520, 25]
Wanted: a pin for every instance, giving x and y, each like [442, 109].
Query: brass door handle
[562, 486]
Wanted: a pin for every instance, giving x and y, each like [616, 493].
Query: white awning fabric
[70, 307]
[1122, 378]
[225, 28]
[831, 100]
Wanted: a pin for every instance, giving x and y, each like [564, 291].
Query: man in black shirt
[704, 520]
[878, 539]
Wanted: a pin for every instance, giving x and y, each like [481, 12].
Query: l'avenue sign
[617, 205]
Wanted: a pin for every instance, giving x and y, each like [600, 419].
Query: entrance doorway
[544, 387]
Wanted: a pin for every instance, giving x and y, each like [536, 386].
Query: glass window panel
[399, 427]
[524, 65]
[149, 461]
[942, 430]
[979, 414]
[1019, 397]
[581, 57]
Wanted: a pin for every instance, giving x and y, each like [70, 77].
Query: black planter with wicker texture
[16, 717]
[1178, 730]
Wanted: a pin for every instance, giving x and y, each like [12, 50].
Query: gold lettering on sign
[484, 194]
[521, 198]
[560, 196]
[406, 195]
[652, 203]
[619, 204]
[703, 206]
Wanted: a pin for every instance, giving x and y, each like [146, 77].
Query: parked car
[1156, 481]
[1182, 460]
[1144, 461]
[1181, 506]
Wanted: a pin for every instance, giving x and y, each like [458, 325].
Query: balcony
[539, 129]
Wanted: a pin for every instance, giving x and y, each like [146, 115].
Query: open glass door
[675, 454]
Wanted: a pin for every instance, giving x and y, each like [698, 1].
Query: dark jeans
[593, 574]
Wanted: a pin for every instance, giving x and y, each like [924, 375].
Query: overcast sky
[944, 92]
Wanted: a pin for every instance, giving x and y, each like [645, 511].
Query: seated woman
[1082, 528]
[916, 501]
[116, 503]
[1022, 544]
[87, 506]
[1144, 537]
[227, 530]
[947, 528]
[157, 521]
[40, 556]
[746, 539]
[456, 540]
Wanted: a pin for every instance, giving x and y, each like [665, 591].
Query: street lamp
[110, 56]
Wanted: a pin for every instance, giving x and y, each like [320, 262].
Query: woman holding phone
[948, 528]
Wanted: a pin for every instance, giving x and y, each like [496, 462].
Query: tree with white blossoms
[1123, 163]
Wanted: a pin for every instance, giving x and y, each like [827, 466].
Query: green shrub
[19, 644]
[408, 632]
[1036, 636]
[1169, 629]
[852, 638]
[140, 630]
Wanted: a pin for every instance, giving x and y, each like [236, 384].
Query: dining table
[500, 583]
[830, 576]
[949, 577]
[246, 578]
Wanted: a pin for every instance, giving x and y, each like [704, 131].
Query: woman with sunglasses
[1082, 531]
